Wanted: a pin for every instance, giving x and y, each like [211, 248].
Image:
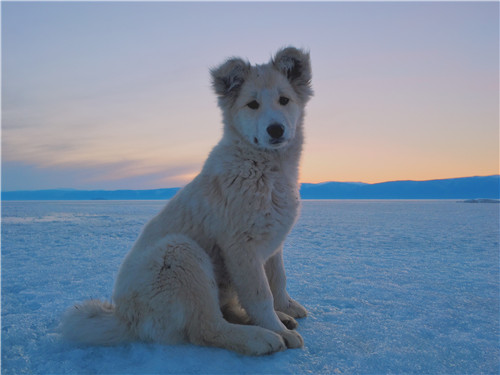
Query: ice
[391, 287]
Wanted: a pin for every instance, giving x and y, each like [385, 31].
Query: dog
[208, 269]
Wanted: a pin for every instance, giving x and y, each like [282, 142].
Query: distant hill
[456, 188]
[89, 194]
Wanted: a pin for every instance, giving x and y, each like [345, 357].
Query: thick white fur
[208, 269]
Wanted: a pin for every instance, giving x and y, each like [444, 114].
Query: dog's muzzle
[276, 132]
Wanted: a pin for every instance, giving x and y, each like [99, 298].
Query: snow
[391, 287]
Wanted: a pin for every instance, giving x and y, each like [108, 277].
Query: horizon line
[301, 183]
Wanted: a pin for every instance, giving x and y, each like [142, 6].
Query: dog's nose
[275, 130]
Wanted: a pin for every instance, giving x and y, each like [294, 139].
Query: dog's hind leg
[185, 279]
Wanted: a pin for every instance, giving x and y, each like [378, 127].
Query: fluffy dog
[208, 269]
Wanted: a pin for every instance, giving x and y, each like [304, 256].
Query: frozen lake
[391, 287]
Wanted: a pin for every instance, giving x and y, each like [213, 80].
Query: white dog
[208, 269]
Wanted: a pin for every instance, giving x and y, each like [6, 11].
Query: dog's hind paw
[287, 320]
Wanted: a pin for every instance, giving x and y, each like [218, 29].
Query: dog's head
[264, 104]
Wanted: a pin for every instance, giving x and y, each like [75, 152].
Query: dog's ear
[228, 78]
[295, 64]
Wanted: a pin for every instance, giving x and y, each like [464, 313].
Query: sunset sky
[108, 95]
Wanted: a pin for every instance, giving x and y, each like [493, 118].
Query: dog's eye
[284, 100]
[254, 104]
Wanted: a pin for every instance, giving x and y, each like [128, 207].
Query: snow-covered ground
[391, 287]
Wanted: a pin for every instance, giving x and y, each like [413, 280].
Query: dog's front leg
[275, 271]
[248, 276]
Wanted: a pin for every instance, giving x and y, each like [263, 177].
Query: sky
[116, 95]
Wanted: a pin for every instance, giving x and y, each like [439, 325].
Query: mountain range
[487, 187]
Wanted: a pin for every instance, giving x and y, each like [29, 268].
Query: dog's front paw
[292, 339]
[267, 342]
[294, 309]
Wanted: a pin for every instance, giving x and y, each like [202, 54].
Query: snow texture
[391, 287]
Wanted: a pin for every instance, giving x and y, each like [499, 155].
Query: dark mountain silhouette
[455, 188]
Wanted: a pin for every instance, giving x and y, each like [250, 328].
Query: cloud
[108, 176]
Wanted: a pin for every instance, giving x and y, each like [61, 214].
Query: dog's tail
[94, 323]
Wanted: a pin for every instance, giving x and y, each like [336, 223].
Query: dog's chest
[265, 198]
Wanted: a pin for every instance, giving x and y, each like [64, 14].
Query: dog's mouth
[277, 141]
[272, 143]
